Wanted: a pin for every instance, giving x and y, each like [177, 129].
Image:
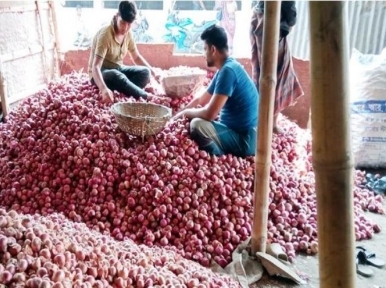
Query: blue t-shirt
[240, 110]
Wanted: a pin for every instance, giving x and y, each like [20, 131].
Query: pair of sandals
[364, 259]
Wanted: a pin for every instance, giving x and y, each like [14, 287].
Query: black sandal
[363, 269]
[367, 257]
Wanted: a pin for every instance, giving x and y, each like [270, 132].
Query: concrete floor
[309, 265]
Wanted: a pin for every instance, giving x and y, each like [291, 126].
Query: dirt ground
[309, 265]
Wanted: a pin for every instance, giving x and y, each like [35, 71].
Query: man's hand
[178, 116]
[151, 96]
[156, 76]
[161, 99]
[107, 96]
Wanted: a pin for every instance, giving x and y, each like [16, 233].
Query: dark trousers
[218, 139]
[129, 80]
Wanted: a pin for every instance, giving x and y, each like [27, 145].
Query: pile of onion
[62, 152]
[38, 251]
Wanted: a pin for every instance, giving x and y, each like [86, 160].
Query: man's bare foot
[277, 130]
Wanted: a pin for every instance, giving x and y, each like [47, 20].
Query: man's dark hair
[215, 36]
[128, 11]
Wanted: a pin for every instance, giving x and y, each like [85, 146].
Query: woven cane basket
[141, 119]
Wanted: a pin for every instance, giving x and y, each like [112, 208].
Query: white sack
[368, 109]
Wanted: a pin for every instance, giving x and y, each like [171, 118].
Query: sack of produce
[368, 109]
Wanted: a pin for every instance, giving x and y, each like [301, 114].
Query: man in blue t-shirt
[231, 94]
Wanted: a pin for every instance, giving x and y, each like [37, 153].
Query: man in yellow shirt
[110, 46]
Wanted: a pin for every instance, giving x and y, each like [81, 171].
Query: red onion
[77, 162]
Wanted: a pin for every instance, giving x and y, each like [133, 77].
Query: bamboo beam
[7, 101]
[23, 8]
[55, 29]
[331, 145]
[44, 38]
[25, 94]
[30, 51]
[264, 135]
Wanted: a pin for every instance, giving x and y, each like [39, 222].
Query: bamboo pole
[264, 135]
[4, 94]
[331, 145]
[30, 51]
[18, 8]
[44, 38]
[58, 50]
[14, 98]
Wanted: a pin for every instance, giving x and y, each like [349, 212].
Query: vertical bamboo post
[331, 145]
[44, 39]
[264, 134]
[4, 95]
[58, 47]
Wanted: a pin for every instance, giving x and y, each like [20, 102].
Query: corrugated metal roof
[366, 24]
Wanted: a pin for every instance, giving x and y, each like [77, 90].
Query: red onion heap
[62, 152]
[52, 251]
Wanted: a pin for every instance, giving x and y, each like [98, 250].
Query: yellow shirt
[104, 45]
